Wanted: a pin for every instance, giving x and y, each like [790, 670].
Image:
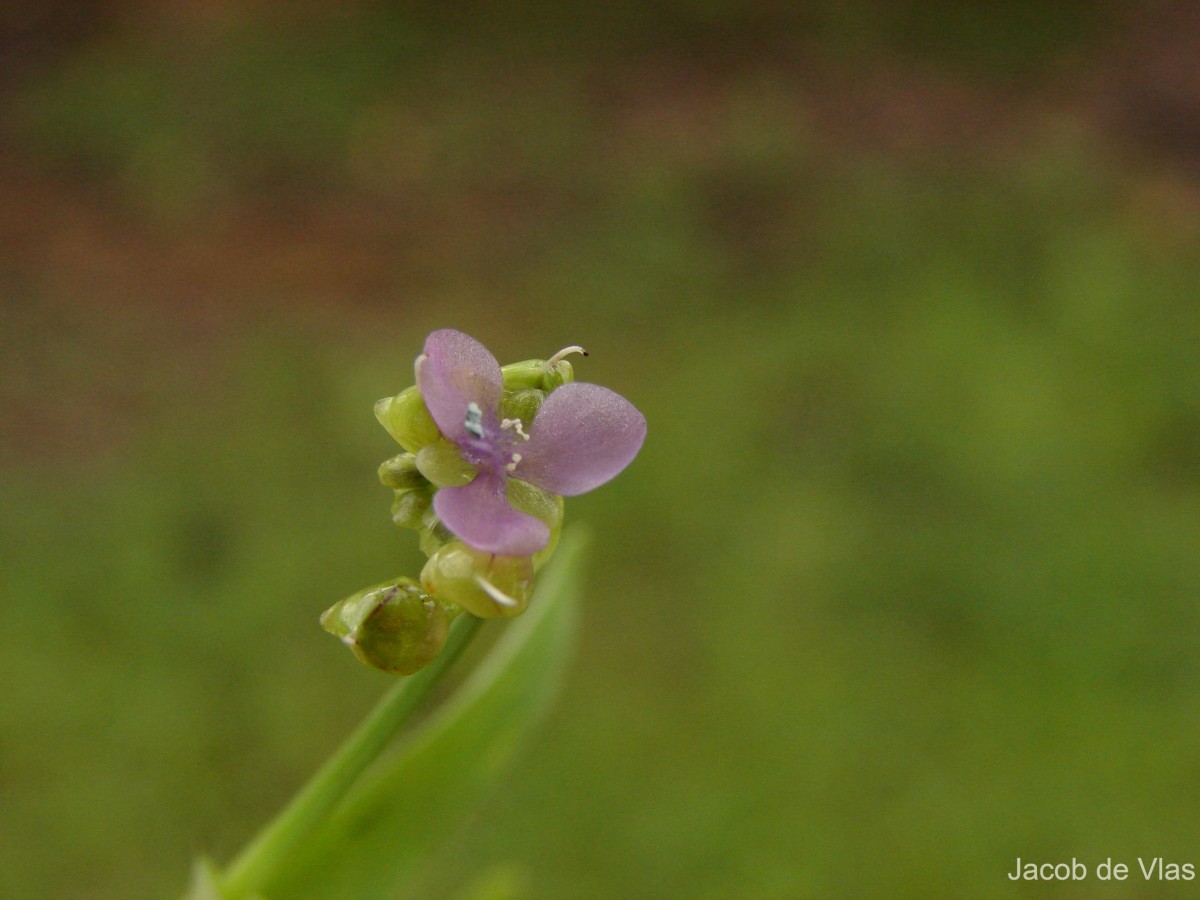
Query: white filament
[563, 353]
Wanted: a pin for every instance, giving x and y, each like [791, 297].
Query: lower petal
[480, 516]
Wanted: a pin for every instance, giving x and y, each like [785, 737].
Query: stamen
[495, 593]
[563, 354]
[512, 466]
[474, 421]
[515, 424]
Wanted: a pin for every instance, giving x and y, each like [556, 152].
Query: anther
[474, 421]
[512, 466]
[515, 424]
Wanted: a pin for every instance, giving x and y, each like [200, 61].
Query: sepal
[546, 506]
[442, 464]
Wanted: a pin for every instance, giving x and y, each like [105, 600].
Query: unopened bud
[524, 375]
[486, 585]
[409, 507]
[401, 473]
[407, 419]
[540, 374]
[396, 627]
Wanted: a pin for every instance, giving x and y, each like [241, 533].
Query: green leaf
[409, 802]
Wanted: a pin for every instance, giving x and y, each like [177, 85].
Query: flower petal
[456, 370]
[582, 436]
[479, 514]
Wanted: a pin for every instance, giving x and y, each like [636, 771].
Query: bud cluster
[400, 626]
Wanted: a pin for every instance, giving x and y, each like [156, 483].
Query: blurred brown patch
[100, 292]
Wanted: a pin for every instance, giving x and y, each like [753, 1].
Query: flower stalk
[489, 454]
[269, 851]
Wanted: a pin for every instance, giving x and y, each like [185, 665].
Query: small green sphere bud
[396, 627]
[407, 420]
[401, 473]
[409, 507]
[521, 405]
[487, 586]
[442, 463]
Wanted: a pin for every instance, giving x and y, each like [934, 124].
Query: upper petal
[479, 514]
[582, 436]
[454, 371]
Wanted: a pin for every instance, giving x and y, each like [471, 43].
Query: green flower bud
[487, 586]
[407, 420]
[442, 463]
[524, 375]
[401, 473]
[522, 405]
[409, 507]
[396, 627]
[540, 374]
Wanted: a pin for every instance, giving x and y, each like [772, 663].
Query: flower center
[515, 425]
[489, 447]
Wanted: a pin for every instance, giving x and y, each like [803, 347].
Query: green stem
[304, 814]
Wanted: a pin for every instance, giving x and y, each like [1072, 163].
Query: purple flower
[582, 436]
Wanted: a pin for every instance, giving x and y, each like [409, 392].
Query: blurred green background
[904, 584]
